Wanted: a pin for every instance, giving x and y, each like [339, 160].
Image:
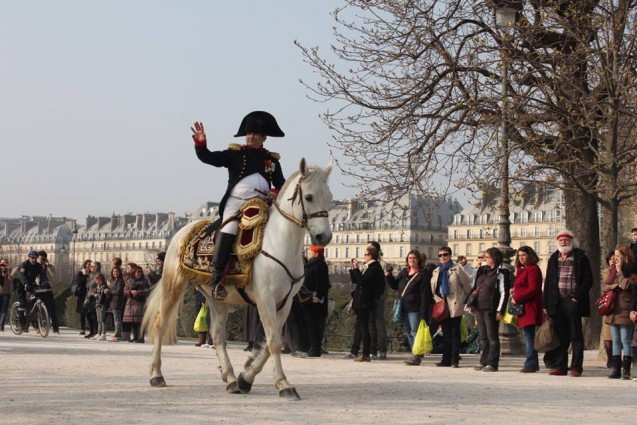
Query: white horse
[301, 206]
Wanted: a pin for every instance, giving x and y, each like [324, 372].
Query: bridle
[298, 192]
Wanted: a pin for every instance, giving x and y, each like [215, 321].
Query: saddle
[197, 249]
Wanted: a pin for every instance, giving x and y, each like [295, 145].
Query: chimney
[170, 225]
[114, 222]
[90, 221]
[139, 224]
[128, 219]
[352, 207]
[101, 222]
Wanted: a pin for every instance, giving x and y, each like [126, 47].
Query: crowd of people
[563, 296]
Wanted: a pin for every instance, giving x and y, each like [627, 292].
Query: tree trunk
[582, 217]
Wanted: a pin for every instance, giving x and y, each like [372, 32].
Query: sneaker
[102, 338]
[95, 337]
[478, 368]
[115, 339]
[89, 336]
[382, 356]
[206, 345]
[299, 354]
[81, 333]
[489, 369]
[349, 356]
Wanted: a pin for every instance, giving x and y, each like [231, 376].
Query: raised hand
[198, 133]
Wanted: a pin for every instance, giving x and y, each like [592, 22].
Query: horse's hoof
[157, 381]
[244, 386]
[232, 388]
[289, 394]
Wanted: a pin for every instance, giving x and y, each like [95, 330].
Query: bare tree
[415, 100]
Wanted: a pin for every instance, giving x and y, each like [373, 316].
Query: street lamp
[506, 14]
[74, 231]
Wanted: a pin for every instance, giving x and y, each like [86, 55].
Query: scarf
[445, 289]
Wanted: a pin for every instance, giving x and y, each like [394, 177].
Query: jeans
[622, 337]
[531, 361]
[117, 322]
[362, 324]
[451, 341]
[489, 339]
[378, 328]
[411, 321]
[4, 308]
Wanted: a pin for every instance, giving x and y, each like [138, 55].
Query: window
[369, 238]
[358, 238]
[468, 249]
[455, 234]
[523, 232]
[402, 252]
[336, 252]
[338, 238]
[455, 248]
[358, 252]
[481, 247]
[346, 238]
[536, 246]
[347, 252]
[538, 216]
[481, 233]
[327, 253]
[524, 217]
[468, 233]
[537, 232]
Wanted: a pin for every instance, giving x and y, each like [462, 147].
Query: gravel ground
[68, 379]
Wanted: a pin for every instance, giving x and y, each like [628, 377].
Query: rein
[298, 191]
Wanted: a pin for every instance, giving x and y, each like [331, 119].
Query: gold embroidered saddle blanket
[197, 249]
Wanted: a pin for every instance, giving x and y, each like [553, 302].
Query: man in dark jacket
[252, 172]
[566, 300]
[28, 272]
[367, 284]
[317, 282]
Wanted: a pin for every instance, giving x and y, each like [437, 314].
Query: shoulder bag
[440, 312]
[397, 311]
[606, 303]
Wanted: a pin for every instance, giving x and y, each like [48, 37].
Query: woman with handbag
[493, 283]
[410, 285]
[527, 290]
[621, 327]
[450, 286]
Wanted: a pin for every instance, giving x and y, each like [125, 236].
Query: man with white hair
[566, 300]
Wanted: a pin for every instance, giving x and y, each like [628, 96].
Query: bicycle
[38, 315]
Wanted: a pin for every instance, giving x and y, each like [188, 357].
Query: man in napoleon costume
[253, 171]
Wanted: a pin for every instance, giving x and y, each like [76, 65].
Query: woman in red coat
[527, 290]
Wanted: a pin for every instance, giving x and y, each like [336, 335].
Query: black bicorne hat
[259, 122]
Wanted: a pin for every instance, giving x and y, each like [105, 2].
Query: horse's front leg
[218, 320]
[272, 325]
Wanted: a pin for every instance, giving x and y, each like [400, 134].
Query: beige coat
[621, 312]
[460, 287]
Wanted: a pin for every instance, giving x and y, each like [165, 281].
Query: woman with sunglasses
[451, 282]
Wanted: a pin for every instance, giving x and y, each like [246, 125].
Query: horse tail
[165, 300]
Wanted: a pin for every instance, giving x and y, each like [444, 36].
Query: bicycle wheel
[43, 320]
[14, 318]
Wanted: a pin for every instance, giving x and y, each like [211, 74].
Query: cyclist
[44, 291]
[28, 272]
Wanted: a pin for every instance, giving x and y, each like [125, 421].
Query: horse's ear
[303, 167]
[328, 167]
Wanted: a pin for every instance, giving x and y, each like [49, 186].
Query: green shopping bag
[201, 325]
[423, 343]
[508, 318]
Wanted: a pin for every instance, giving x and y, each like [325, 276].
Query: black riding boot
[617, 364]
[627, 363]
[223, 250]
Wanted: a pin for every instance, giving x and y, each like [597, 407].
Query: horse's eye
[309, 198]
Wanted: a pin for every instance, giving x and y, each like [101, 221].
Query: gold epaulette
[275, 155]
[234, 147]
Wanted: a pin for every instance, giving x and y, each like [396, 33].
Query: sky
[97, 99]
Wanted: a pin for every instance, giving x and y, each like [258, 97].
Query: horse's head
[309, 198]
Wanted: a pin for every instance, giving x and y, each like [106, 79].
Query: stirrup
[219, 292]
